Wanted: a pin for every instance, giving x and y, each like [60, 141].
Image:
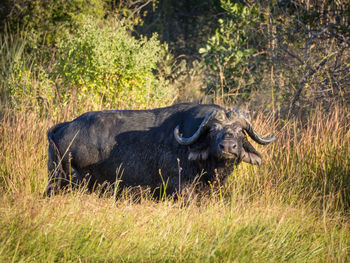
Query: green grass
[82, 227]
[293, 208]
[87, 228]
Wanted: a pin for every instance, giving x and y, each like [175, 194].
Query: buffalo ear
[251, 158]
[250, 155]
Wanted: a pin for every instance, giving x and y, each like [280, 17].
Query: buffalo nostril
[227, 146]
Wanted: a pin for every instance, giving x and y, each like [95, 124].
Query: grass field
[293, 208]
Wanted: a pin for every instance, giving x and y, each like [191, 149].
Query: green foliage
[227, 52]
[11, 61]
[103, 63]
[23, 82]
[31, 88]
[100, 63]
[46, 20]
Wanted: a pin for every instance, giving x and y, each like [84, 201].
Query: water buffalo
[150, 148]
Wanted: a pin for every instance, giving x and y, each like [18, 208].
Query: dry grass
[295, 207]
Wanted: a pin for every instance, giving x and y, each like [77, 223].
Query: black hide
[137, 147]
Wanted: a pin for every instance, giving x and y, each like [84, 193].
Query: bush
[99, 64]
[23, 82]
[226, 53]
[103, 63]
[46, 19]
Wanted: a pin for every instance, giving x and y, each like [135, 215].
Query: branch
[314, 35]
[289, 52]
[140, 8]
[302, 83]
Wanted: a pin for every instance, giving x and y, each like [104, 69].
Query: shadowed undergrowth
[295, 207]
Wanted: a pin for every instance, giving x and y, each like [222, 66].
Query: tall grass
[294, 208]
[87, 228]
[11, 60]
[309, 162]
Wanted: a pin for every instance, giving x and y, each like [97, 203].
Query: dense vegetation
[286, 61]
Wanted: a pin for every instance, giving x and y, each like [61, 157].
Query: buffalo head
[222, 135]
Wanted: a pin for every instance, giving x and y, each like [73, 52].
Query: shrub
[45, 19]
[23, 82]
[98, 64]
[103, 63]
[227, 52]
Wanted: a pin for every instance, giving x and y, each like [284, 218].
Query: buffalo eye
[215, 127]
[238, 130]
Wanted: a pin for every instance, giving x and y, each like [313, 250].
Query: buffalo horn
[187, 141]
[248, 127]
